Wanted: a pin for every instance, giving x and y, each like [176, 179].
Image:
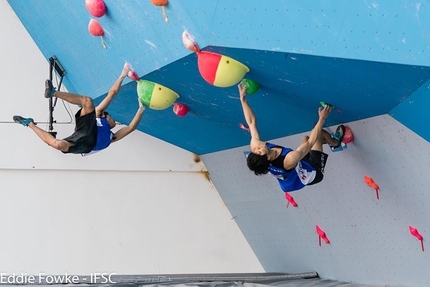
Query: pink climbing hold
[415, 233]
[131, 73]
[97, 8]
[348, 136]
[290, 200]
[180, 109]
[95, 28]
[189, 42]
[321, 235]
[244, 127]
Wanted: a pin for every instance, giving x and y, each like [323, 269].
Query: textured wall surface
[370, 239]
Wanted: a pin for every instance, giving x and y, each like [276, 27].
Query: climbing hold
[415, 233]
[323, 104]
[155, 96]
[97, 8]
[96, 29]
[180, 109]
[189, 42]
[290, 199]
[321, 235]
[244, 127]
[162, 3]
[216, 69]
[253, 86]
[348, 136]
[131, 73]
[219, 70]
[369, 181]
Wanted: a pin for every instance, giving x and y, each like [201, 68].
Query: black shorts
[85, 135]
[317, 160]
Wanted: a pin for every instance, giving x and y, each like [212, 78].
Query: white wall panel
[142, 206]
[370, 239]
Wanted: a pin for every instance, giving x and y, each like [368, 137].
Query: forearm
[131, 127]
[316, 132]
[113, 91]
[137, 117]
[247, 112]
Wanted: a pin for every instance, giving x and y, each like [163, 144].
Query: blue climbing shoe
[49, 89]
[23, 121]
[338, 135]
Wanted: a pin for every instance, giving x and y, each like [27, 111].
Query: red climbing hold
[348, 136]
[369, 181]
[415, 233]
[321, 235]
[95, 28]
[290, 199]
[180, 109]
[97, 8]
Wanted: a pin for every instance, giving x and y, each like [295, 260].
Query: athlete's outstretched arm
[113, 91]
[121, 133]
[295, 156]
[250, 118]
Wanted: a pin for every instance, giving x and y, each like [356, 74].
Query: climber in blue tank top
[93, 124]
[297, 168]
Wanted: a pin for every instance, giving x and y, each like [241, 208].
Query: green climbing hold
[323, 104]
[253, 86]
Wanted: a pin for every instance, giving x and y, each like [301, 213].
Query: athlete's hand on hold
[242, 90]
[142, 107]
[324, 112]
[125, 70]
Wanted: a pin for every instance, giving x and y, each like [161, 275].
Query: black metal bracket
[54, 64]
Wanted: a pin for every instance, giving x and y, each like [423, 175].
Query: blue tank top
[297, 178]
[104, 134]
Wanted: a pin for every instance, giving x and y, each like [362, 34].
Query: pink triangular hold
[131, 73]
[322, 234]
[415, 233]
[290, 199]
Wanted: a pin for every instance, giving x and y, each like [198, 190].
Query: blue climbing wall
[365, 57]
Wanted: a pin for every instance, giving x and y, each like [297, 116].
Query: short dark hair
[258, 163]
[106, 113]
